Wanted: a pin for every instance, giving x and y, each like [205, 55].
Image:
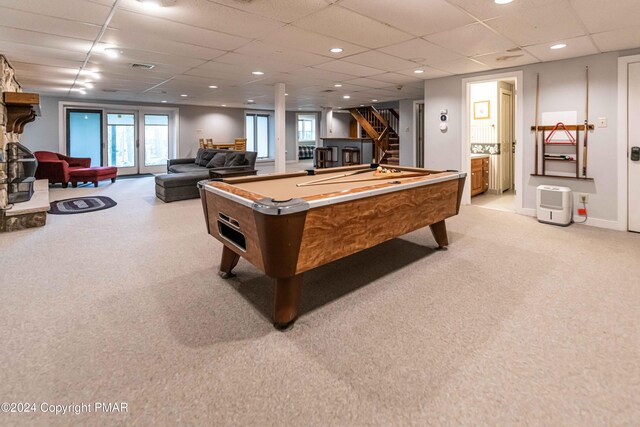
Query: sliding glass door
[156, 135]
[84, 135]
[122, 142]
[134, 141]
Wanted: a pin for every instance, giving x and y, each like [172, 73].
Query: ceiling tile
[44, 40]
[580, 46]
[472, 40]
[175, 31]
[422, 51]
[417, 17]
[380, 61]
[10, 48]
[264, 50]
[250, 63]
[606, 15]
[627, 38]
[297, 38]
[484, 9]
[140, 41]
[345, 24]
[48, 25]
[72, 10]
[540, 25]
[280, 10]
[367, 83]
[507, 59]
[341, 66]
[395, 78]
[208, 15]
[462, 66]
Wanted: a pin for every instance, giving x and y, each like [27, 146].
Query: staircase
[380, 126]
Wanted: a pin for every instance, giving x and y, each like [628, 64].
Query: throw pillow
[235, 159]
[206, 157]
[199, 155]
[218, 161]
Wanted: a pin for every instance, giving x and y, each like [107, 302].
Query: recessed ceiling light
[362, 105]
[346, 96]
[250, 100]
[419, 71]
[151, 3]
[337, 85]
[164, 102]
[184, 95]
[213, 87]
[374, 100]
[112, 52]
[336, 50]
[503, 1]
[558, 46]
[257, 73]
[286, 94]
[224, 105]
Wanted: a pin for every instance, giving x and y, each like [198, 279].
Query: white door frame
[129, 170]
[415, 132]
[623, 139]
[174, 114]
[295, 126]
[143, 136]
[518, 132]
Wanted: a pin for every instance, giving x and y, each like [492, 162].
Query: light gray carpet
[518, 323]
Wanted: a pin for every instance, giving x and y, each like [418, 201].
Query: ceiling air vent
[329, 90]
[143, 66]
[508, 57]
[110, 90]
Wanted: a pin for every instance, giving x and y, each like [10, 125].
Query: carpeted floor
[518, 323]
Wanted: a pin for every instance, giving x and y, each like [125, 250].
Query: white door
[506, 139]
[634, 141]
[122, 141]
[156, 141]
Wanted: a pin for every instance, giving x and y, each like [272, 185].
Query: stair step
[393, 153]
[394, 146]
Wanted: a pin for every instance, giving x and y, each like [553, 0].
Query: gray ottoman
[179, 186]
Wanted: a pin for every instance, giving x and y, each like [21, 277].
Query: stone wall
[8, 83]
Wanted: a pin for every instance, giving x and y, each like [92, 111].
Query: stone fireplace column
[8, 83]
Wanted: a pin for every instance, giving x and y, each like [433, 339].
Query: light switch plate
[602, 122]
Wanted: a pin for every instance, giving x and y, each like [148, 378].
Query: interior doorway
[491, 142]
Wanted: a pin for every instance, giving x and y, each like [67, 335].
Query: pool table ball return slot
[285, 224]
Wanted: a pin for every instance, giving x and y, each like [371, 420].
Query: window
[257, 131]
[306, 127]
[121, 134]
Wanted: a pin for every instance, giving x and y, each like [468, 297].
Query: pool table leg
[286, 299]
[439, 231]
[228, 262]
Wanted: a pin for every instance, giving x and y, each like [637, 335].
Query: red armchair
[56, 167]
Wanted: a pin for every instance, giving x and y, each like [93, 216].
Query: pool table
[285, 224]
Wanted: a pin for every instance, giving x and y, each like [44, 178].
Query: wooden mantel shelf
[22, 108]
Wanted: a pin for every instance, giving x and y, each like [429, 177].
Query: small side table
[228, 173]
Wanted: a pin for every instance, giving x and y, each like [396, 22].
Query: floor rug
[81, 205]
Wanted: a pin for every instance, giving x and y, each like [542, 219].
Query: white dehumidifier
[555, 205]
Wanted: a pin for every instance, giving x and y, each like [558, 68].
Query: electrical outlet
[584, 198]
[602, 122]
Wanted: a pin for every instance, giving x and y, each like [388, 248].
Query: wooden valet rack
[544, 137]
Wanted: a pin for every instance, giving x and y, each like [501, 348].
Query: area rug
[81, 205]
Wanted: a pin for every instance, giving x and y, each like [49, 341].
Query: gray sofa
[184, 174]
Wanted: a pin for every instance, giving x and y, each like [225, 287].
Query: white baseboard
[526, 211]
[605, 223]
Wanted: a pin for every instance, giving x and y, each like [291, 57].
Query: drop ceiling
[56, 46]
